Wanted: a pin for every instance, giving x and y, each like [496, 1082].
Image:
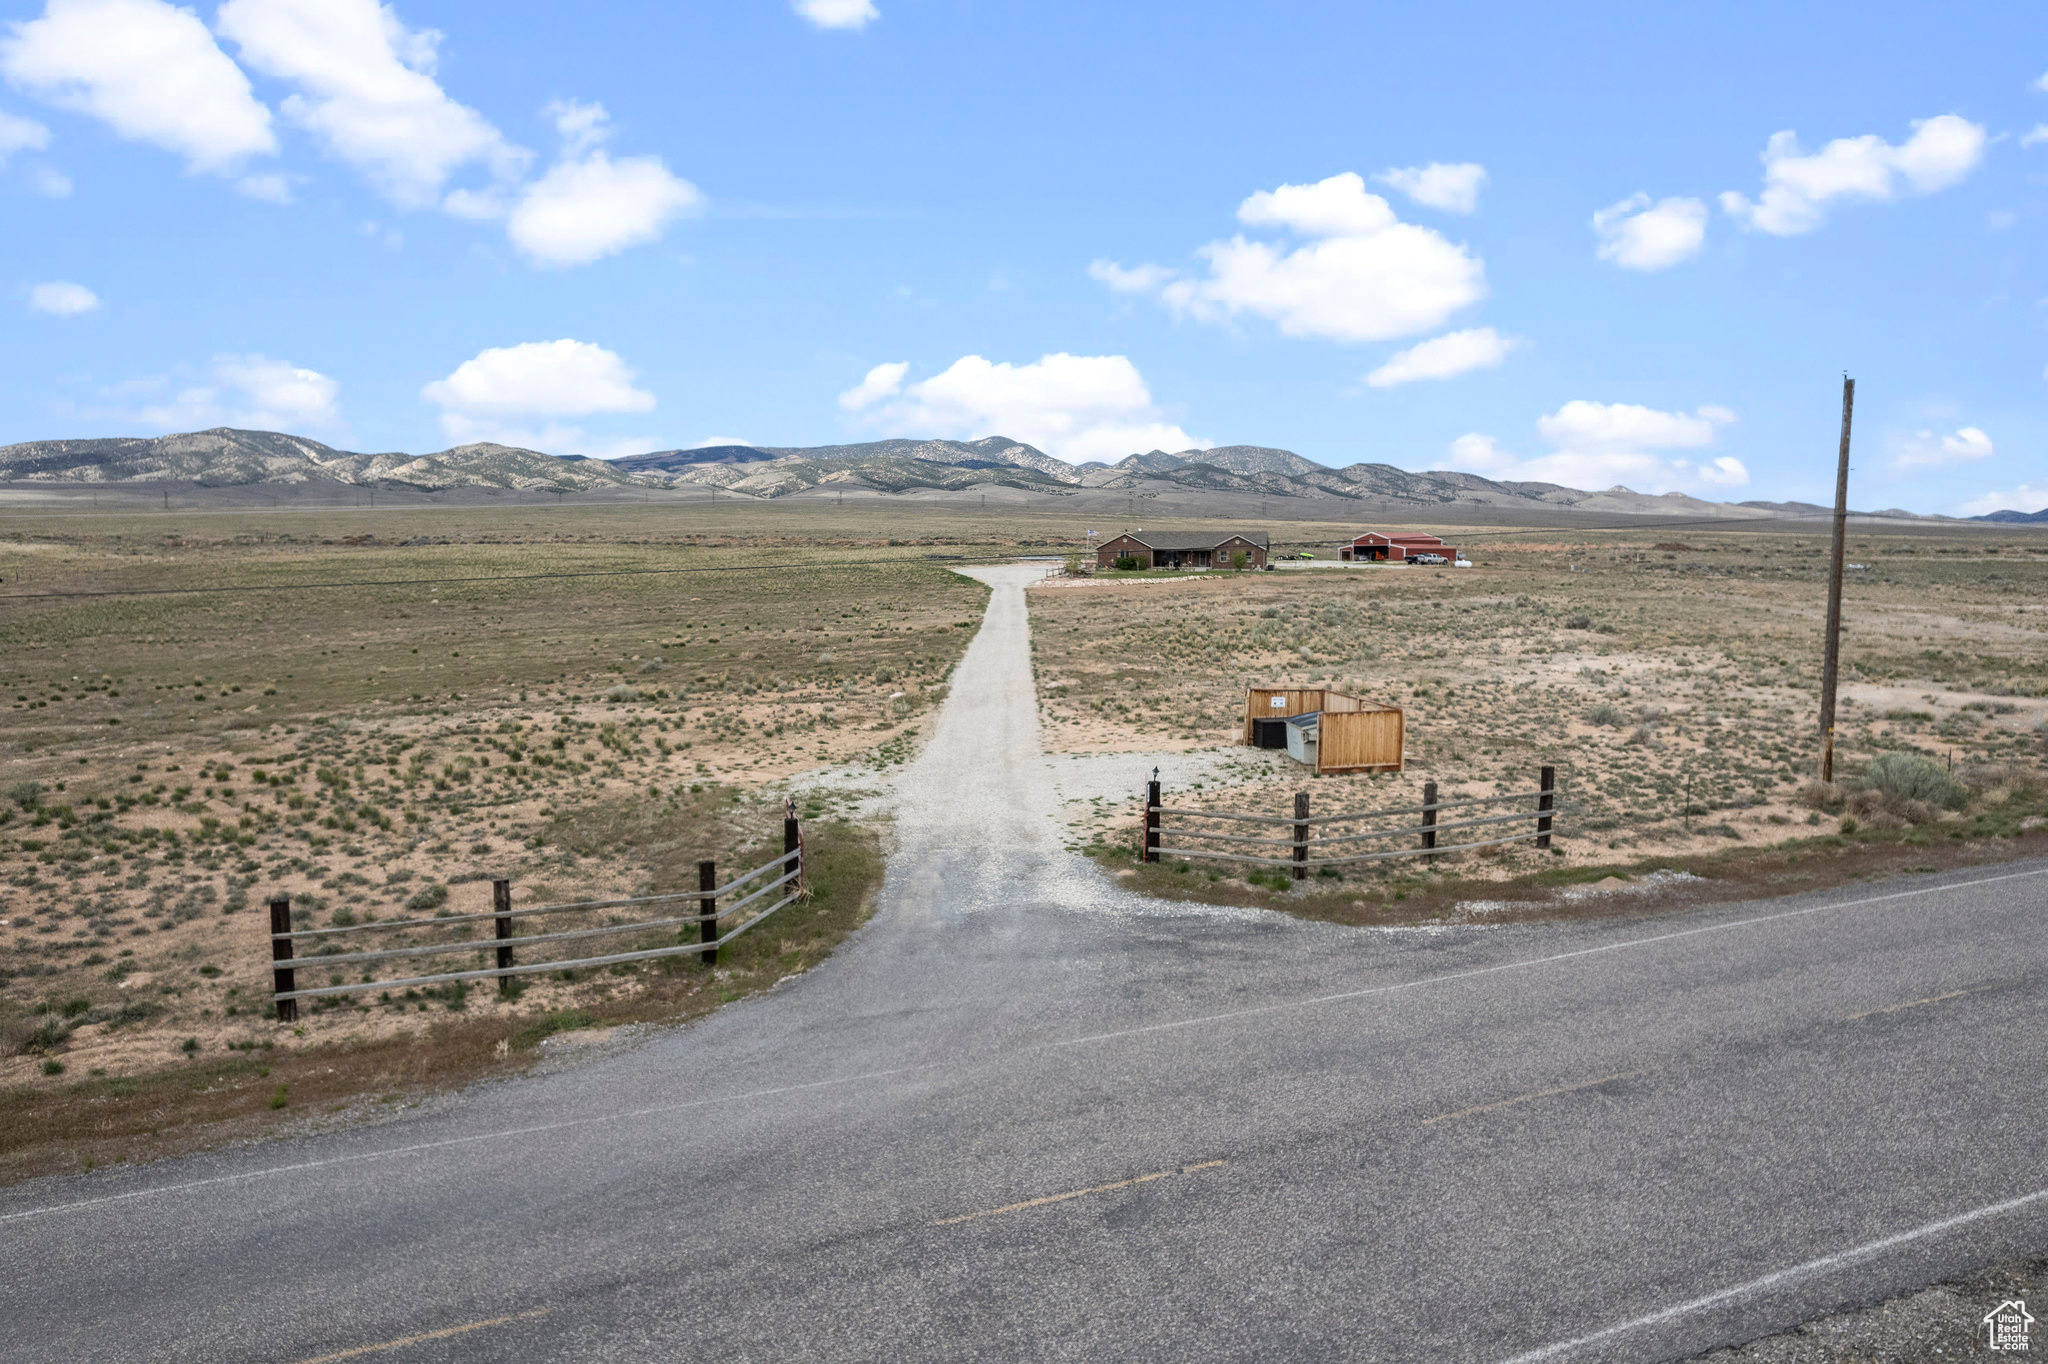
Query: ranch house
[1373, 547]
[1185, 549]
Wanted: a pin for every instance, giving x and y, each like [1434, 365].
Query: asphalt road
[1620, 1141]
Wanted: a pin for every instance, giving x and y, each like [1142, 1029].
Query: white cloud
[61, 298]
[1365, 276]
[838, 13]
[1074, 407]
[580, 126]
[2028, 497]
[1638, 235]
[494, 396]
[1925, 447]
[21, 135]
[1582, 425]
[1140, 279]
[148, 70]
[1444, 357]
[1798, 186]
[1724, 472]
[1336, 207]
[1454, 187]
[50, 182]
[883, 381]
[1601, 445]
[367, 89]
[592, 207]
[275, 189]
[252, 391]
[540, 378]
[2035, 135]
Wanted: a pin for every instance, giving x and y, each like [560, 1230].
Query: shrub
[622, 693]
[1909, 777]
[25, 793]
[1821, 795]
[1578, 622]
[1604, 715]
[1128, 561]
[428, 897]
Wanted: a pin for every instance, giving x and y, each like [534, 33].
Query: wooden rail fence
[785, 873]
[1296, 854]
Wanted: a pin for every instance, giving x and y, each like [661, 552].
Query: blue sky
[1593, 244]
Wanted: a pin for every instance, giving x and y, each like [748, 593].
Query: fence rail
[1541, 816]
[285, 964]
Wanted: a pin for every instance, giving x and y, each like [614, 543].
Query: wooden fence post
[1301, 835]
[1429, 819]
[707, 905]
[501, 905]
[1151, 853]
[1546, 801]
[793, 842]
[282, 978]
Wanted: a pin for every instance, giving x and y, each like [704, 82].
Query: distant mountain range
[226, 457]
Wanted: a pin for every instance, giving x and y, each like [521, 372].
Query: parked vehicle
[1427, 559]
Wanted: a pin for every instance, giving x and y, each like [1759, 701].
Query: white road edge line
[1772, 1280]
[1538, 961]
[447, 1142]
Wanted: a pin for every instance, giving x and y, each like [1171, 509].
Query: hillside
[225, 457]
[1228, 475]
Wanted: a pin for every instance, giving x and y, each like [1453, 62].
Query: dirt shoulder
[1945, 1321]
[372, 1056]
[1521, 884]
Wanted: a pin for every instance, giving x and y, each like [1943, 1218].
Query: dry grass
[172, 761]
[328, 1069]
[1674, 688]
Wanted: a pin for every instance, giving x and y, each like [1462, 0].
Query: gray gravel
[1615, 1140]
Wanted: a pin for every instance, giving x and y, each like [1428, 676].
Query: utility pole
[1831, 660]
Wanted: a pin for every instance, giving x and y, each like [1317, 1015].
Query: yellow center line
[1916, 1003]
[1077, 1193]
[424, 1336]
[1525, 1098]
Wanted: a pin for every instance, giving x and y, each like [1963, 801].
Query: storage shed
[1337, 732]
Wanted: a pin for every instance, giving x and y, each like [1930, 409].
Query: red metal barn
[1378, 547]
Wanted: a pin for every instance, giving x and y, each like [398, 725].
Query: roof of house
[1400, 539]
[1185, 540]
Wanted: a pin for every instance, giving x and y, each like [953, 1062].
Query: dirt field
[172, 760]
[1673, 684]
[376, 712]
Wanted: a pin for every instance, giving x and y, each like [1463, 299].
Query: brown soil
[367, 1056]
